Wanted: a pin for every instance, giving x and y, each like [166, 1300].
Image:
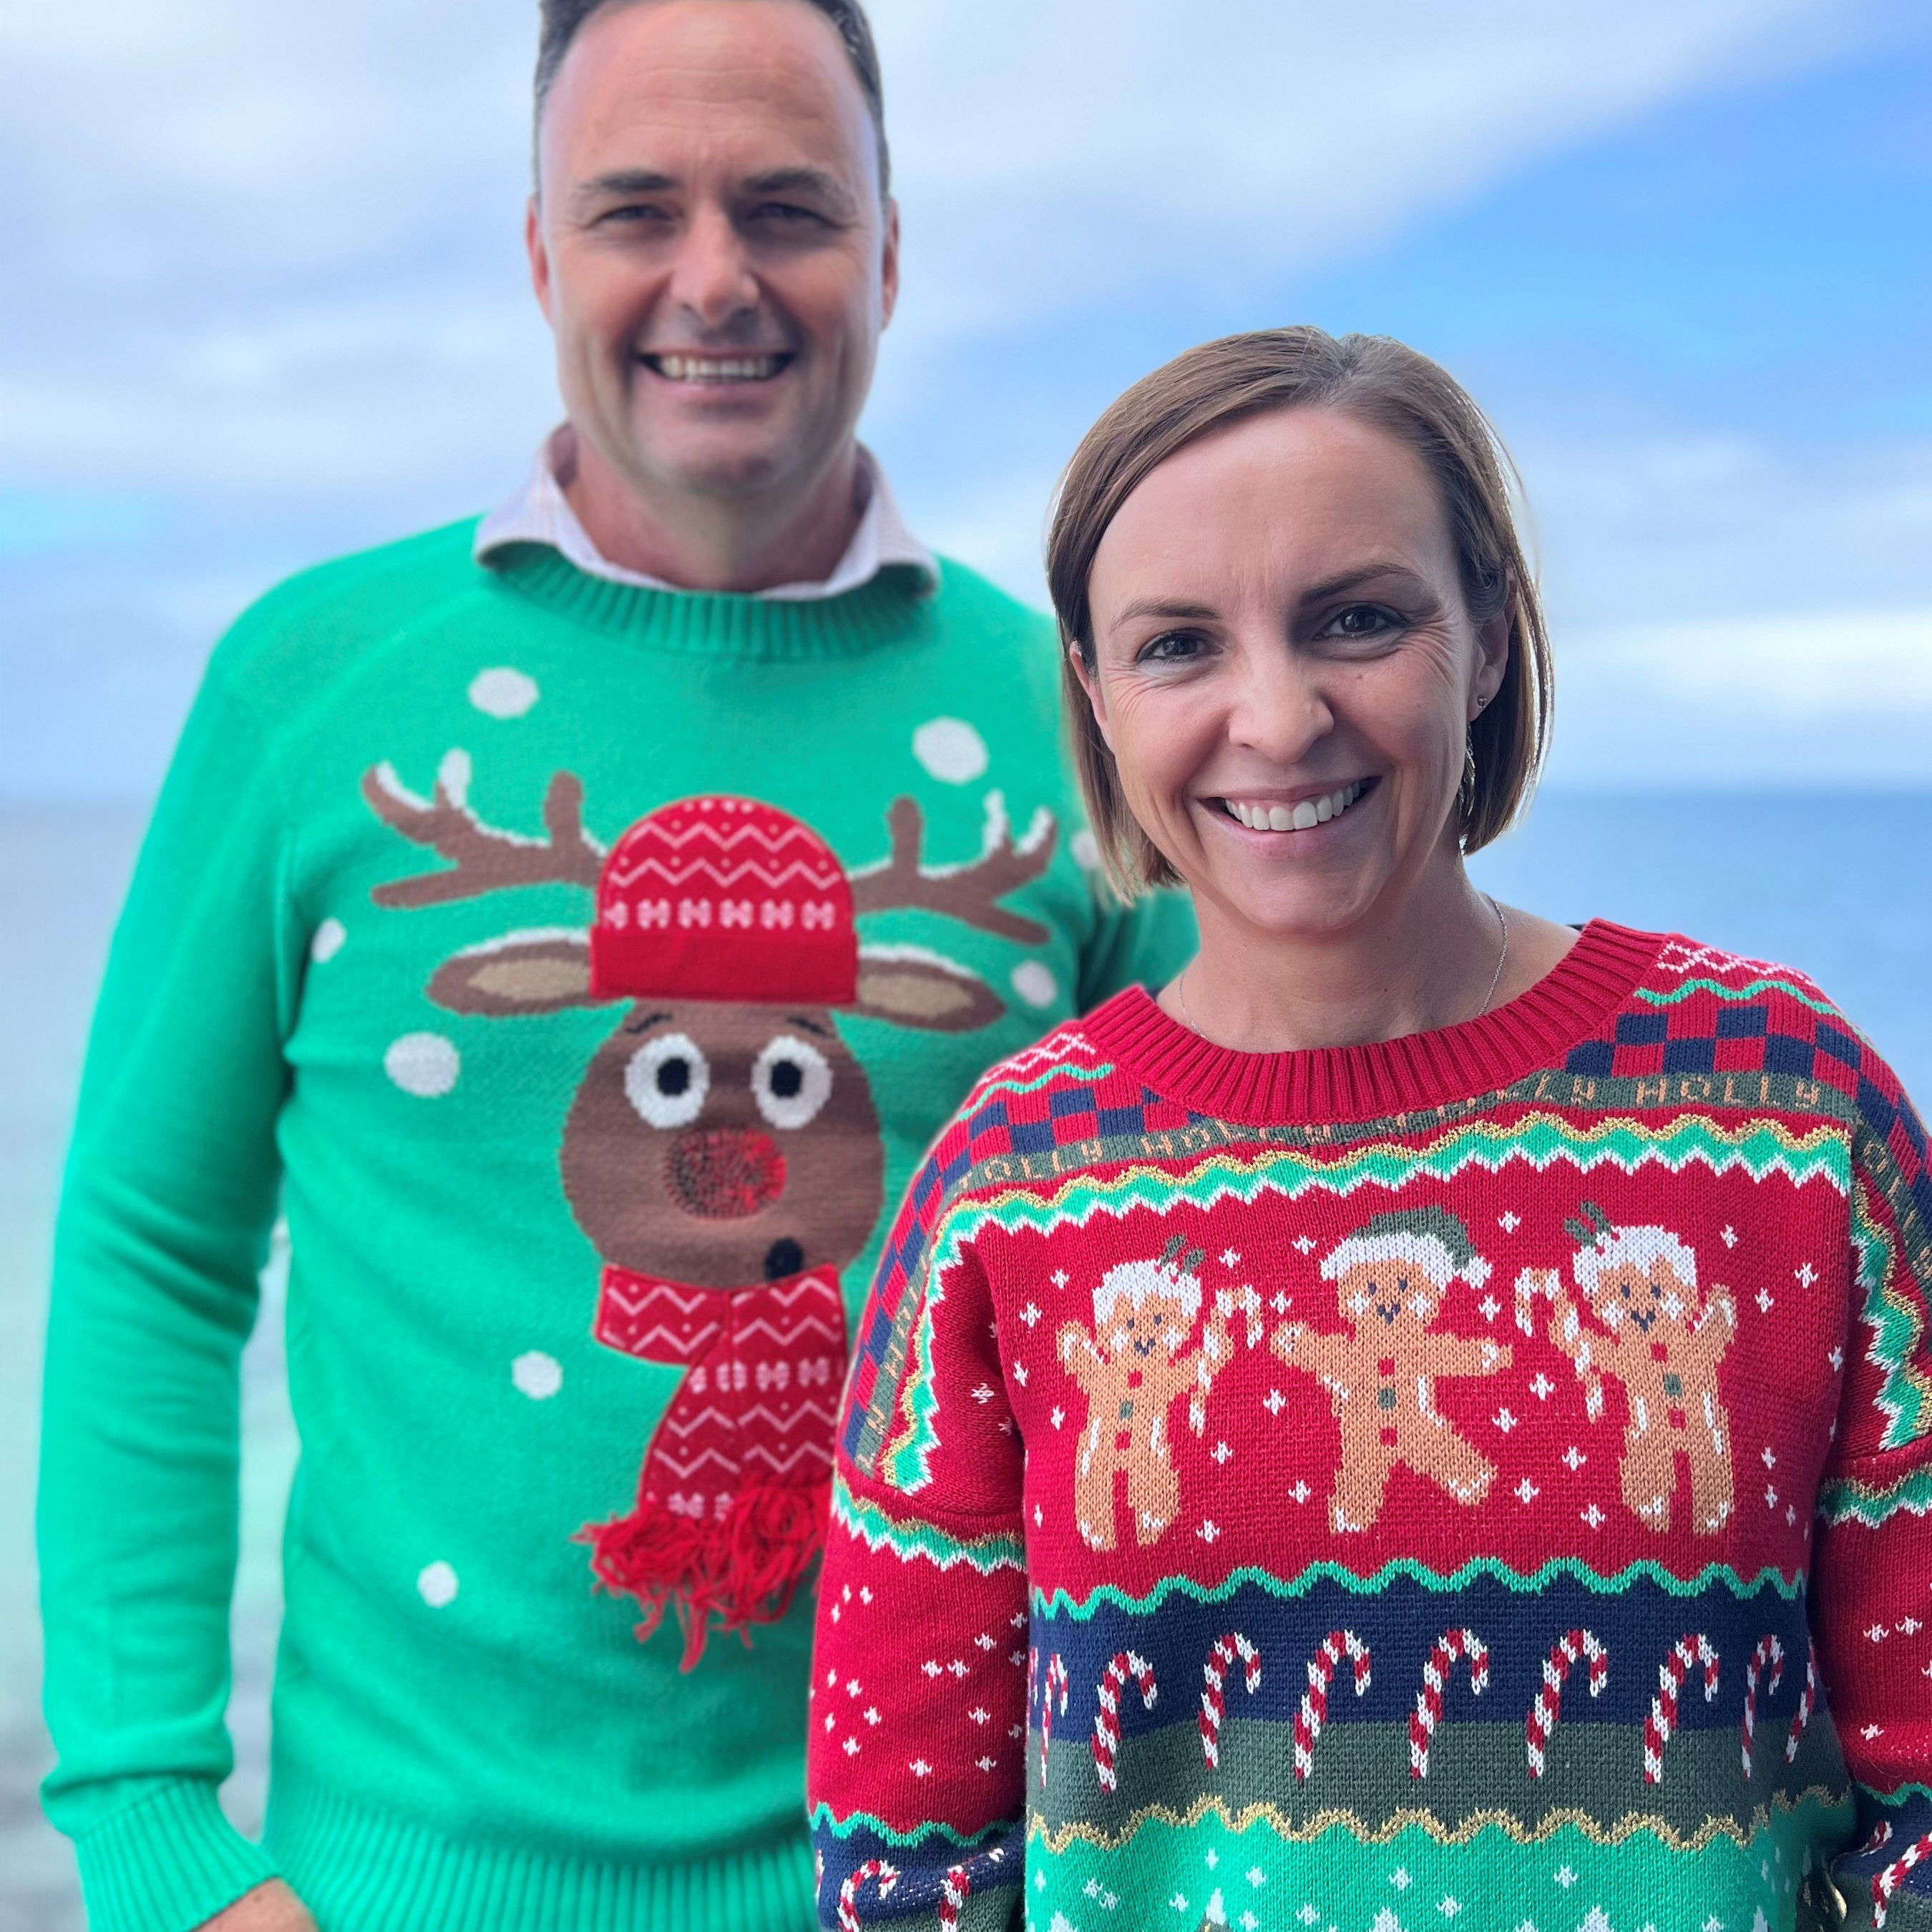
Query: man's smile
[692, 366]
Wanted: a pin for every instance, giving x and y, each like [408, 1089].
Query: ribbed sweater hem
[1359, 1083]
[360, 1871]
[169, 1862]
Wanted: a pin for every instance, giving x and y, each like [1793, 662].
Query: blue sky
[273, 308]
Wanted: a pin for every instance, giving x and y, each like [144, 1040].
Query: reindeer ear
[907, 986]
[521, 973]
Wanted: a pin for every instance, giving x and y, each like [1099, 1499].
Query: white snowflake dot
[537, 1375]
[1032, 979]
[328, 941]
[1086, 850]
[436, 1584]
[951, 750]
[425, 1064]
[502, 692]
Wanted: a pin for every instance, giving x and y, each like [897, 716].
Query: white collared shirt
[540, 513]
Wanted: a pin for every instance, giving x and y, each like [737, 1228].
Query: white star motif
[1229, 1258]
[986, 1763]
[1039, 1520]
[983, 1641]
[851, 1747]
[1770, 1497]
[1450, 1907]
[1837, 1359]
[1221, 1452]
[979, 1713]
[958, 1667]
[983, 1394]
[1020, 1373]
[1728, 1238]
[1526, 1491]
[1490, 1306]
[1806, 1274]
[1593, 1516]
[1564, 1877]
[1301, 1493]
[1060, 1277]
[1509, 1222]
[920, 1768]
[1762, 1298]
[872, 1715]
[1790, 1517]
[1030, 1314]
[1302, 1242]
[1770, 1457]
[1059, 1415]
[1208, 1530]
[1213, 1858]
[1542, 1387]
[1504, 1420]
[864, 1593]
[1276, 1402]
[1400, 1879]
[1279, 1302]
[1870, 1731]
[1575, 1457]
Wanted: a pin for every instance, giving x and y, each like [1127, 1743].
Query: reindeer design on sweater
[722, 1152]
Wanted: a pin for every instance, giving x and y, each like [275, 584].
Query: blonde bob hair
[1378, 381]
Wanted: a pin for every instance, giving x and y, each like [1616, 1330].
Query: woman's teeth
[1303, 816]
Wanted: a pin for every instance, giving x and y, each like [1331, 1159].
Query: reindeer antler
[484, 859]
[969, 893]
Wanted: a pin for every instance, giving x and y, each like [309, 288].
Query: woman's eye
[1170, 647]
[1362, 621]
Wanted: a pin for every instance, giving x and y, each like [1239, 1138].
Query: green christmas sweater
[1481, 1482]
[580, 969]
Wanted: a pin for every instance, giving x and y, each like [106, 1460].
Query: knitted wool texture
[1481, 1481]
[568, 1244]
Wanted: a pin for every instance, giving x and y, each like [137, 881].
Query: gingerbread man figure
[1131, 1369]
[1663, 1341]
[1390, 1276]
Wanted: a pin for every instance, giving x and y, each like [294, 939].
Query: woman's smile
[1272, 813]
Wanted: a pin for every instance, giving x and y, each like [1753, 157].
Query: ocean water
[1840, 886]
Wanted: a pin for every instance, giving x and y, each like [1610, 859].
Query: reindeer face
[720, 1145]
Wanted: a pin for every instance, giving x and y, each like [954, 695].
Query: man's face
[709, 245]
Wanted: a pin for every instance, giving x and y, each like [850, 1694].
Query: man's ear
[538, 253]
[888, 263]
[1089, 682]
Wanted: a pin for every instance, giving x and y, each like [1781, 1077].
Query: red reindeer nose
[723, 1174]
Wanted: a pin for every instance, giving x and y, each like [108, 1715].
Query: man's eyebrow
[623, 181]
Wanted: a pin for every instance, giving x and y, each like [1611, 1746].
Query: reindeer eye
[667, 1079]
[791, 1081]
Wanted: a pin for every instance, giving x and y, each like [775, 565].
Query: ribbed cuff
[168, 1863]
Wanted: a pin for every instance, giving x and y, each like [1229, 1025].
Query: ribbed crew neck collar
[1569, 1004]
[894, 608]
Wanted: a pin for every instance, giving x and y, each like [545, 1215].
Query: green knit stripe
[354, 1866]
[1212, 1870]
[1846, 1499]
[169, 1862]
[1893, 1315]
[823, 1819]
[1759, 1148]
[1713, 1576]
[1790, 990]
[908, 1538]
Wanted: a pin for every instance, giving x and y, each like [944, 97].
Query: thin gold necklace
[1496, 978]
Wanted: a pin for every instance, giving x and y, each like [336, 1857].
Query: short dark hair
[560, 20]
[1378, 381]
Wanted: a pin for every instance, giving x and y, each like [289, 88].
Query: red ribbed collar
[1569, 1004]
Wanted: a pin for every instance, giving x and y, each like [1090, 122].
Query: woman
[1338, 1444]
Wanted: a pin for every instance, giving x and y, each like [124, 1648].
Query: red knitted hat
[725, 899]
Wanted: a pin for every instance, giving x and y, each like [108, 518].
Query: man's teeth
[1301, 816]
[716, 368]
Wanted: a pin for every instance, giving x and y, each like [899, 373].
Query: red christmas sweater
[1478, 1481]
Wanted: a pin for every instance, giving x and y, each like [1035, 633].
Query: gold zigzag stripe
[1305, 1830]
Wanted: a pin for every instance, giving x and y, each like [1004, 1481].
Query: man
[581, 922]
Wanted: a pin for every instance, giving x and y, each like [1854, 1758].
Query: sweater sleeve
[917, 1775]
[1145, 944]
[168, 1197]
[1872, 1622]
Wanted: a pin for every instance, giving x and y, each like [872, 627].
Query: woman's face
[1286, 669]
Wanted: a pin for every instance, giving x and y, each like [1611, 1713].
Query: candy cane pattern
[1450, 1645]
[1887, 1882]
[954, 1889]
[1213, 1688]
[1123, 1664]
[1770, 1650]
[1056, 1673]
[1808, 1703]
[1690, 1651]
[1549, 1705]
[1314, 1712]
[888, 1876]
